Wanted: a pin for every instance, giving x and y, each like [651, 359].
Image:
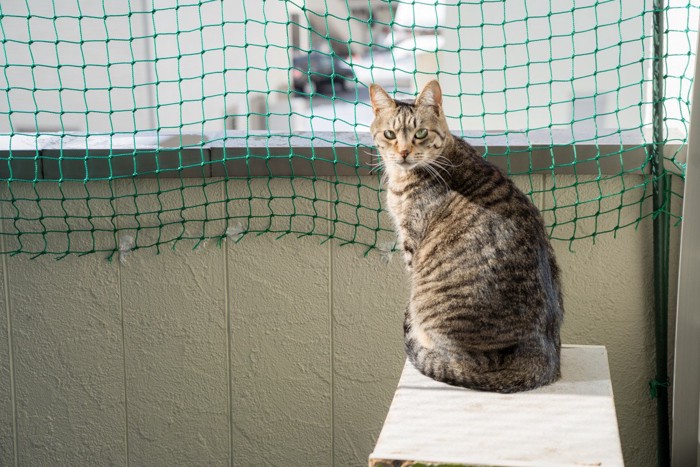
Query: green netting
[126, 125]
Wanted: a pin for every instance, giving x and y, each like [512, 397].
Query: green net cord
[127, 125]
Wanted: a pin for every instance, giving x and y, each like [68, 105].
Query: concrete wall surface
[267, 352]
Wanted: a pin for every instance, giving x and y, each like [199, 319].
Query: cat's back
[487, 187]
[484, 206]
[487, 234]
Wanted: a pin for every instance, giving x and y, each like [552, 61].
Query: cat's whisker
[446, 185]
[445, 169]
[440, 162]
[376, 166]
[434, 173]
[439, 165]
[444, 162]
[447, 162]
[445, 165]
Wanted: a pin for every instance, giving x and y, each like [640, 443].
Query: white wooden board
[569, 423]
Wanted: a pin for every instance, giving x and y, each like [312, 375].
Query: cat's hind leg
[527, 366]
[513, 369]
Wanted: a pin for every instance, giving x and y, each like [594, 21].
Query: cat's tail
[514, 369]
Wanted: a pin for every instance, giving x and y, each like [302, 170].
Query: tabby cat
[485, 306]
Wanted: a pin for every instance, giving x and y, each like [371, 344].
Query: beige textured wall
[265, 352]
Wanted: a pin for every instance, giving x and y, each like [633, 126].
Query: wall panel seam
[331, 250]
[10, 355]
[126, 392]
[118, 187]
[229, 371]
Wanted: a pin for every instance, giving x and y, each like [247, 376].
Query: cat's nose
[404, 153]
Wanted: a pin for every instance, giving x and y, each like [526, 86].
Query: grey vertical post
[685, 444]
[660, 198]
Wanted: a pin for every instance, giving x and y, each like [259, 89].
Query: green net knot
[654, 384]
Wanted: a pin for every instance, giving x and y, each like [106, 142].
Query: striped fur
[486, 306]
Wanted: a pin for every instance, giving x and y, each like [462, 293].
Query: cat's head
[409, 135]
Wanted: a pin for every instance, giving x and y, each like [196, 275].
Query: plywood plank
[569, 423]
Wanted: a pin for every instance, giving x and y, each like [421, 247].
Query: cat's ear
[431, 95]
[380, 99]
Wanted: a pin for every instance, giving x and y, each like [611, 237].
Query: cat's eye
[388, 134]
[422, 133]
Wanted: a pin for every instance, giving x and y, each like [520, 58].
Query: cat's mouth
[408, 162]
